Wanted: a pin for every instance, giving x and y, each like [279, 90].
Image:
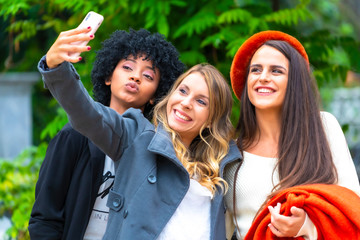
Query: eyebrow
[272, 66]
[148, 67]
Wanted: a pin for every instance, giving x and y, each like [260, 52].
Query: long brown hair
[204, 154]
[304, 155]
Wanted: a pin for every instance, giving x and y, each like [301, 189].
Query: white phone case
[92, 19]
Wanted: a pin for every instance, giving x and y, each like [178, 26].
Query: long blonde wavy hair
[204, 154]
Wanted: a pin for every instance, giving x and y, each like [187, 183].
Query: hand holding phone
[93, 20]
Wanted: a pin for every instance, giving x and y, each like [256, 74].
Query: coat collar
[161, 144]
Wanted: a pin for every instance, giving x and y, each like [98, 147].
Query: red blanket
[334, 210]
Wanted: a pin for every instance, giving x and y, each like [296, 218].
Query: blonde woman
[168, 181]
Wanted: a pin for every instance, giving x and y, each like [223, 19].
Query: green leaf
[54, 126]
[151, 18]
[192, 57]
[225, 35]
[11, 8]
[134, 7]
[178, 3]
[288, 17]
[197, 24]
[214, 40]
[233, 46]
[234, 16]
[163, 26]
[254, 24]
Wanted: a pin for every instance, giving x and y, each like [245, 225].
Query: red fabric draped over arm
[334, 210]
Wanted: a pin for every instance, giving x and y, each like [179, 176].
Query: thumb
[296, 212]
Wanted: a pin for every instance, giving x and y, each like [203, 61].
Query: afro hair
[153, 47]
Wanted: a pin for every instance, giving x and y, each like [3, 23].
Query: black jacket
[66, 190]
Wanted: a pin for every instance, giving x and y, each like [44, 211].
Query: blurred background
[203, 31]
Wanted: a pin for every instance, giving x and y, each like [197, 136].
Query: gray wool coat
[150, 181]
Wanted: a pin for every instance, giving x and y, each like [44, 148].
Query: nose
[186, 103]
[135, 76]
[264, 76]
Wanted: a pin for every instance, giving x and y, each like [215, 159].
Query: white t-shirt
[256, 179]
[191, 220]
[100, 213]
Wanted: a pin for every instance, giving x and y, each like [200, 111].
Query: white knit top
[256, 179]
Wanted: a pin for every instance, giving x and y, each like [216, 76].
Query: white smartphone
[93, 20]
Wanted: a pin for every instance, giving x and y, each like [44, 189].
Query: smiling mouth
[183, 117]
[265, 90]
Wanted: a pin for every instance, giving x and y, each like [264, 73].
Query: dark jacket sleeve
[47, 216]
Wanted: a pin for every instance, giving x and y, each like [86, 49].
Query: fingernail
[91, 36]
[88, 48]
[80, 58]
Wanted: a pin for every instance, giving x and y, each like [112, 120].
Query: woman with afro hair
[133, 69]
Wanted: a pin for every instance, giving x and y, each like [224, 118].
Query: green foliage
[292, 16]
[17, 189]
[193, 57]
[11, 8]
[197, 24]
[236, 15]
[26, 29]
[55, 125]
[203, 31]
[288, 17]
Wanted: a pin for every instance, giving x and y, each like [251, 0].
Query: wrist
[48, 65]
[308, 230]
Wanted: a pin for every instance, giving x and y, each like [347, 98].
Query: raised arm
[104, 126]
[62, 47]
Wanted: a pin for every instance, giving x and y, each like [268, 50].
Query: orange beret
[242, 57]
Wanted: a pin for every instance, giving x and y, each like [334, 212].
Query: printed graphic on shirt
[100, 213]
[106, 179]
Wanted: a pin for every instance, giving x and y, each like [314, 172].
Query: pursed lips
[132, 87]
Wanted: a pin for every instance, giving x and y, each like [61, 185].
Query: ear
[108, 82]
[152, 101]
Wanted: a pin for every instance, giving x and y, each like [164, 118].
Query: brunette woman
[284, 138]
